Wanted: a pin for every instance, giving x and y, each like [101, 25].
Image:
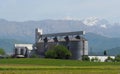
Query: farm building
[100, 58]
[74, 41]
[22, 50]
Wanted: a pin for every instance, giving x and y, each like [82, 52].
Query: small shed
[22, 50]
[101, 58]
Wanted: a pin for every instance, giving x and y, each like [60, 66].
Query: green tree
[50, 53]
[2, 52]
[85, 58]
[34, 56]
[109, 59]
[95, 59]
[105, 52]
[58, 52]
[117, 58]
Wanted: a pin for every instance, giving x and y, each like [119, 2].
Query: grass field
[50, 66]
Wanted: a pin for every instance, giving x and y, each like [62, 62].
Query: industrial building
[100, 58]
[74, 41]
[23, 50]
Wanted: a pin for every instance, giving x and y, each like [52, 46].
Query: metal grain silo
[75, 48]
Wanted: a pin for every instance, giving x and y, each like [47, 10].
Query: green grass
[58, 72]
[52, 66]
[54, 62]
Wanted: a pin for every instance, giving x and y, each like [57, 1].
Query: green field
[50, 66]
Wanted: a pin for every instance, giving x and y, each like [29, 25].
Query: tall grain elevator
[74, 41]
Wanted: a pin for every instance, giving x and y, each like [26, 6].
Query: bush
[95, 59]
[85, 58]
[50, 54]
[34, 56]
[109, 59]
[117, 58]
[58, 52]
[2, 52]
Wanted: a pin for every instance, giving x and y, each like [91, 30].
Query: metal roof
[64, 34]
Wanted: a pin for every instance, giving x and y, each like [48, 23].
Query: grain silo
[74, 41]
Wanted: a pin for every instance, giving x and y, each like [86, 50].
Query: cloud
[103, 26]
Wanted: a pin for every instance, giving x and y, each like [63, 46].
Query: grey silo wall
[75, 46]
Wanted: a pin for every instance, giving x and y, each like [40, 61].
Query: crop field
[51, 66]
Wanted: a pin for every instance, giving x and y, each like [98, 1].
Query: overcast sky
[22, 10]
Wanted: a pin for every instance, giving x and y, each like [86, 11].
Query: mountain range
[101, 34]
[98, 44]
[8, 44]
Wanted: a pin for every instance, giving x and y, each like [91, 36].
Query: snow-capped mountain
[91, 21]
[94, 21]
[25, 30]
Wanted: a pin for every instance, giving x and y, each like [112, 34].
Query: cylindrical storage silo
[86, 48]
[75, 49]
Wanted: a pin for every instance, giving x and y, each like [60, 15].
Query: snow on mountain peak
[91, 21]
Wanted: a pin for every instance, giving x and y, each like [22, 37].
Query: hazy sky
[21, 10]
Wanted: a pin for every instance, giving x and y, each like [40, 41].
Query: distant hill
[98, 43]
[8, 44]
[114, 51]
